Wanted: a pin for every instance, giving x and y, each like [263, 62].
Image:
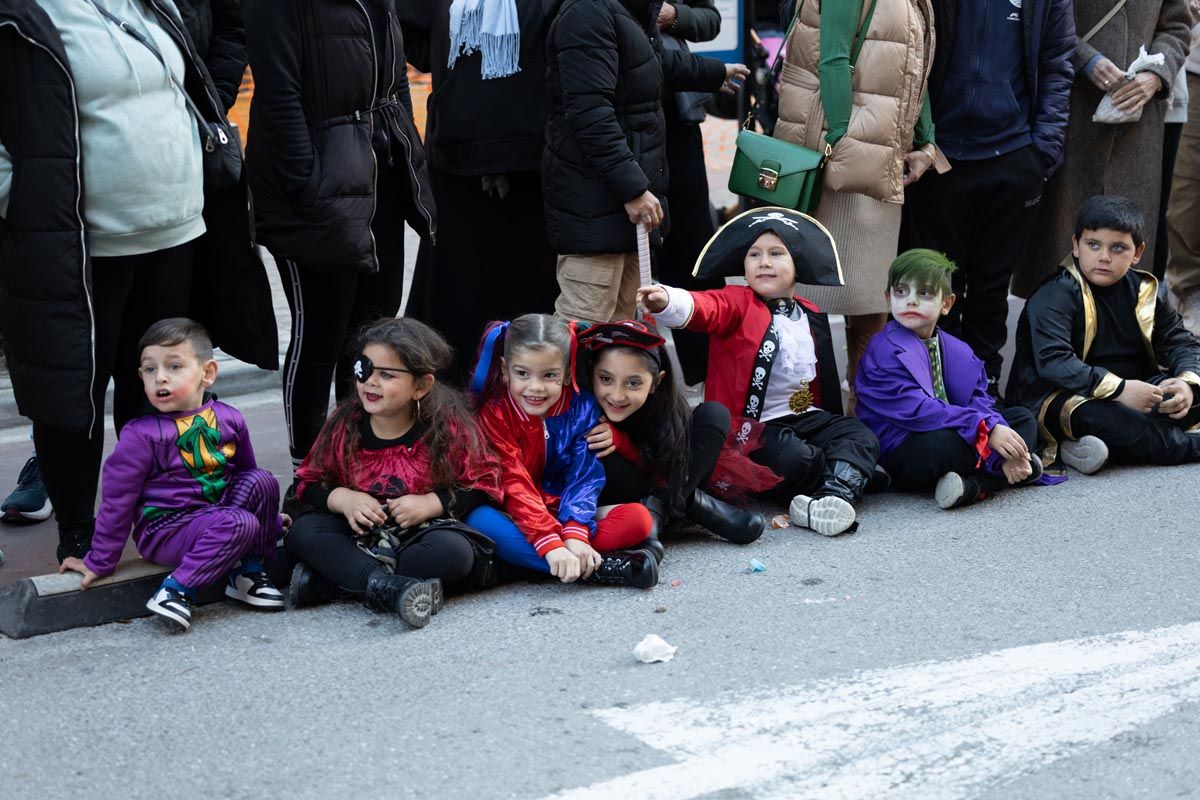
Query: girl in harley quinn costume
[538, 421]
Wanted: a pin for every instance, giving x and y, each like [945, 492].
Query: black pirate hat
[627, 333]
[809, 242]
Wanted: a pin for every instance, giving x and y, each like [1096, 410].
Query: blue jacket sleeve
[585, 475]
[1056, 72]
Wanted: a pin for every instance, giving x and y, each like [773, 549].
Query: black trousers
[625, 483]
[981, 215]
[691, 228]
[923, 458]
[329, 306]
[491, 261]
[1132, 437]
[1172, 134]
[799, 447]
[326, 543]
[129, 294]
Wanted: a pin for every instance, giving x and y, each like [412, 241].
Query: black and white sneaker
[173, 606]
[1087, 455]
[255, 590]
[957, 491]
[828, 515]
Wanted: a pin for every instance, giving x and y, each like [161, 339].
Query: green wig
[922, 267]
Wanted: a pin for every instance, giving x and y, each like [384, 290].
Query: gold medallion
[801, 399]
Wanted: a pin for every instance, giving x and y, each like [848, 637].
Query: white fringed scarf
[491, 27]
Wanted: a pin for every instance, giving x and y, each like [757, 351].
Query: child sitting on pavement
[185, 480]
[1106, 365]
[925, 395]
[771, 359]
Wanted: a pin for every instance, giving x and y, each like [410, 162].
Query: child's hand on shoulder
[589, 559]
[600, 439]
[1140, 396]
[362, 511]
[73, 564]
[563, 564]
[1005, 441]
[411, 510]
[1182, 398]
[653, 298]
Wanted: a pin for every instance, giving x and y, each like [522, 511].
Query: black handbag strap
[149, 45]
[859, 38]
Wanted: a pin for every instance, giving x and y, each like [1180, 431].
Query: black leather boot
[733, 524]
[844, 480]
[412, 599]
[309, 588]
[660, 516]
[635, 568]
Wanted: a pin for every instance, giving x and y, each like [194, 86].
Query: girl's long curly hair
[662, 427]
[450, 434]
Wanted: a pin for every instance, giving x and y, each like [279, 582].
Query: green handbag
[777, 172]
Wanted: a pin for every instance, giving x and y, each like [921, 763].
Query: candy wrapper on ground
[652, 649]
[1107, 112]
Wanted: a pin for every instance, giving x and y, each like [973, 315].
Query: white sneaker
[828, 516]
[1087, 455]
[254, 589]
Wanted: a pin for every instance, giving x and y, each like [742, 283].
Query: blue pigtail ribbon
[487, 354]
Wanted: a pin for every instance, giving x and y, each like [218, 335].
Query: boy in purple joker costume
[186, 482]
[925, 395]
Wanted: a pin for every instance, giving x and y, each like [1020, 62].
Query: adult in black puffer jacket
[336, 166]
[605, 162]
[216, 30]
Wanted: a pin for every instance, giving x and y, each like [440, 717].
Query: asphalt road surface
[1044, 644]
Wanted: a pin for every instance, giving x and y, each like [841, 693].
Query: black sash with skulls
[768, 350]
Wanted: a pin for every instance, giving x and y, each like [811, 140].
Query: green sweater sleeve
[839, 24]
[923, 134]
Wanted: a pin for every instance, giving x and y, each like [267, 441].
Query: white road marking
[930, 731]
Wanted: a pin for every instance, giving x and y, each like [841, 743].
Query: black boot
[737, 525]
[75, 540]
[412, 599]
[660, 516]
[309, 588]
[844, 480]
[830, 509]
[635, 568]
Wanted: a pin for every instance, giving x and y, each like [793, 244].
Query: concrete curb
[53, 603]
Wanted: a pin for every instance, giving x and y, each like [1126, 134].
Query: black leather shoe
[660, 516]
[411, 599]
[731, 523]
[309, 588]
[634, 568]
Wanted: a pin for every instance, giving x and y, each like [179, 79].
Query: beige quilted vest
[888, 83]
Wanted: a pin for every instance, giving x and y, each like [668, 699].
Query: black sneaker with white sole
[255, 590]
[1088, 454]
[957, 491]
[173, 606]
[828, 515]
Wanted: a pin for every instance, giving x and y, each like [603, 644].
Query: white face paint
[917, 307]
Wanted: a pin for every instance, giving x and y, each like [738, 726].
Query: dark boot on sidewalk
[633, 568]
[660, 516]
[733, 524]
[413, 600]
[309, 588]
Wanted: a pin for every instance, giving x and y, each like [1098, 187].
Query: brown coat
[888, 85]
[1108, 159]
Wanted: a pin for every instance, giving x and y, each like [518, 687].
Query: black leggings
[329, 305]
[799, 447]
[923, 458]
[129, 294]
[625, 483]
[326, 543]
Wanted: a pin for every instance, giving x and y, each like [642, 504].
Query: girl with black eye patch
[655, 450]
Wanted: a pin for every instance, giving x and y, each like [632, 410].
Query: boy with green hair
[925, 395]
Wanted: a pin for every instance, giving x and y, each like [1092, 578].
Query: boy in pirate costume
[925, 395]
[771, 359]
[1107, 367]
[185, 480]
